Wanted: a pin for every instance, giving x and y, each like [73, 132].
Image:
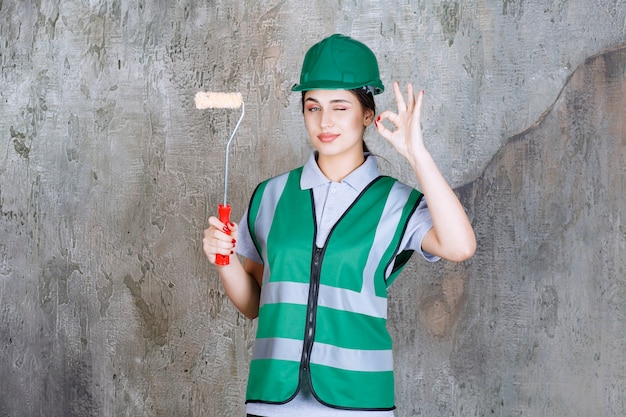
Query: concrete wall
[108, 172]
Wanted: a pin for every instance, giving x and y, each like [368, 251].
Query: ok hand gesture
[407, 136]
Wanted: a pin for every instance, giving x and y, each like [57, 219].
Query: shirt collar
[358, 179]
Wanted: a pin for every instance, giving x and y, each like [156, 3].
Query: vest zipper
[311, 312]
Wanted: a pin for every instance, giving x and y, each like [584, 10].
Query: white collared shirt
[331, 200]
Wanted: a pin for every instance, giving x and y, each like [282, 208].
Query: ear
[368, 118]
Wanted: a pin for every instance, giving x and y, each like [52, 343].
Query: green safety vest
[323, 311]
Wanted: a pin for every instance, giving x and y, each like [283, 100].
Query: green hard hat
[339, 63]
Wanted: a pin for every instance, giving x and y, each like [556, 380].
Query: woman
[323, 242]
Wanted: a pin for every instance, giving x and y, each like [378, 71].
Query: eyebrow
[332, 101]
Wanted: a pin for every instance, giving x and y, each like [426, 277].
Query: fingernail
[234, 241]
[231, 252]
[422, 92]
[231, 224]
[225, 229]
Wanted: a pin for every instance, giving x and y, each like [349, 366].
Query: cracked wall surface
[108, 172]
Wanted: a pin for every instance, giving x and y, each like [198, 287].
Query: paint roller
[213, 100]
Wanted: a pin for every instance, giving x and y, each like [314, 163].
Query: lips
[327, 137]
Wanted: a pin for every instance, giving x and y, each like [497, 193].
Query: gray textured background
[108, 172]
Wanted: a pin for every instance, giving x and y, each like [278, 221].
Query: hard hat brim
[376, 87]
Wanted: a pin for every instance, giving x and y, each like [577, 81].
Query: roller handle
[224, 216]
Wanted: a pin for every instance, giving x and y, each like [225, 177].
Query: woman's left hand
[452, 236]
[407, 137]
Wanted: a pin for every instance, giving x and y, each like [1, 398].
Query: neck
[336, 168]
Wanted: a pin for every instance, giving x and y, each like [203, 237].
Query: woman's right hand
[217, 240]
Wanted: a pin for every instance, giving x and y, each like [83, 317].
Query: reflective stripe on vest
[328, 320]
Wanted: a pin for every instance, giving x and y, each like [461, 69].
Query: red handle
[224, 215]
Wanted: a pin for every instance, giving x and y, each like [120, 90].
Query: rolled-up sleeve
[245, 244]
[419, 224]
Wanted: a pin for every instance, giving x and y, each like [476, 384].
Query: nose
[327, 119]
